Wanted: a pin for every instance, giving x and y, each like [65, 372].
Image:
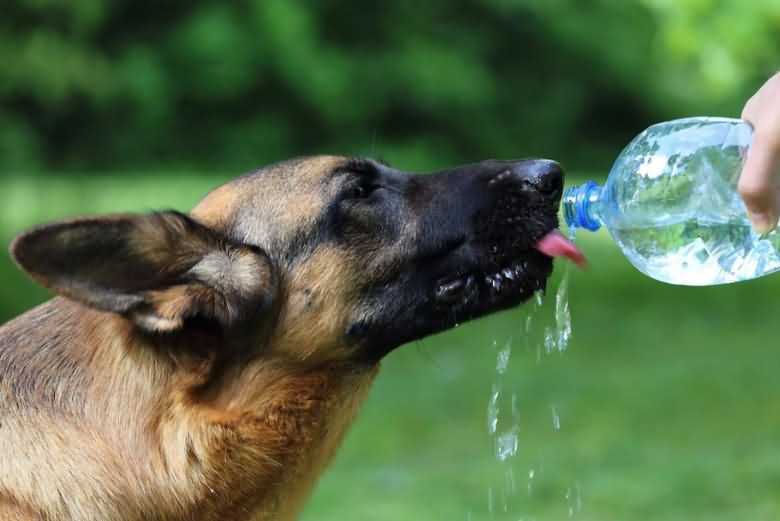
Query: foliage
[87, 84]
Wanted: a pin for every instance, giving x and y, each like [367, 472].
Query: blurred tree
[97, 85]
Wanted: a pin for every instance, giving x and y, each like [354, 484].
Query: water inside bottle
[700, 251]
[673, 206]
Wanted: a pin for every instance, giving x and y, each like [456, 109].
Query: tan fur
[99, 421]
[290, 195]
[319, 294]
[142, 435]
[215, 209]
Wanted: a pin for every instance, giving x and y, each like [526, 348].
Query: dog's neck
[291, 423]
[261, 431]
[251, 451]
[311, 413]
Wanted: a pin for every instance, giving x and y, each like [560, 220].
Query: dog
[206, 366]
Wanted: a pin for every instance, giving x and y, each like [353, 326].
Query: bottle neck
[580, 205]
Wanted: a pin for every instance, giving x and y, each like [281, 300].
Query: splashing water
[573, 498]
[506, 445]
[562, 313]
[557, 338]
[503, 358]
[556, 418]
[503, 412]
[506, 442]
[493, 408]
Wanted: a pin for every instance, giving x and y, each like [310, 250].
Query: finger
[749, 111]
[757, 185]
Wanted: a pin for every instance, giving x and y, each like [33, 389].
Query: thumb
[757, 186]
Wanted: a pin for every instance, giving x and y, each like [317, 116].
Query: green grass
[667, 396]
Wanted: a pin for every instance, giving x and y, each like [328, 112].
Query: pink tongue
[554, 244]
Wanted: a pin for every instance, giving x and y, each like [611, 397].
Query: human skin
[759, 184]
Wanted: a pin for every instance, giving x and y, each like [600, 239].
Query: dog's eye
[359, 191]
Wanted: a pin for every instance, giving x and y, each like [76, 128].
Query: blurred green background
[666, 398]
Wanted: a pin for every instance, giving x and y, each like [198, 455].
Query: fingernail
[763, 223]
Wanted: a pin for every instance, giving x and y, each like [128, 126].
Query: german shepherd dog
[206, 366]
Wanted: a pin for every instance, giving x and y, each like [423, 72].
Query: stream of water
[509, 496]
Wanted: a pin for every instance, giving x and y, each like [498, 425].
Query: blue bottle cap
[576, 206]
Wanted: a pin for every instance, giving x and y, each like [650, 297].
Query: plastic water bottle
[671, 204]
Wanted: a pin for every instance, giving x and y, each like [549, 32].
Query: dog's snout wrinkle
[439, 251]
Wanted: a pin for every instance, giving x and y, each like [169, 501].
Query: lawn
[664, 407]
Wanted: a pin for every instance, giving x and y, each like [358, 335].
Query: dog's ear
[157, 269]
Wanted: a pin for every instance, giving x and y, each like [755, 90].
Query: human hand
[759, 182]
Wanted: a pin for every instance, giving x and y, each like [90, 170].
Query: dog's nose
[542, 175]
[545, 175]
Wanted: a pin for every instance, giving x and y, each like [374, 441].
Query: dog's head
[332, 258]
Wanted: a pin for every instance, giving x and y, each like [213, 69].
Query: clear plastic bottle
[671, 204]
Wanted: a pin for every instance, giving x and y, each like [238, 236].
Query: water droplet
[503, 358]
[578, 491]
[492, 411]
[562, 313]
[509, 481]
[572, 234]
[506, 445]
[549, 340]
[556, 419]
